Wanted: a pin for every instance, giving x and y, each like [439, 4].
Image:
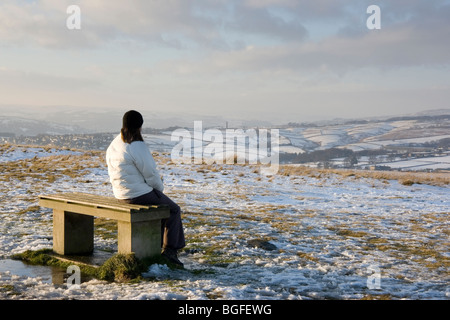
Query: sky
[271, 60]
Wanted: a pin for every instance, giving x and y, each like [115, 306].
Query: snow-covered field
[359, 137]
[430, 163]
[337, 237]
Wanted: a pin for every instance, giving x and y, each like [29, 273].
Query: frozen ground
[335, 235]
[368, 136]
[431, 163]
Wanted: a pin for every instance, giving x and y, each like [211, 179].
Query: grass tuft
[118, 268]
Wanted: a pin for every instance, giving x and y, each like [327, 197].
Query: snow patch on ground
[329, 231]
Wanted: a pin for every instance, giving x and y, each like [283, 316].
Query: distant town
[374, 159]
[95, 141]
[404, 144]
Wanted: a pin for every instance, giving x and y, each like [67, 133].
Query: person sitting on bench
[136, 180]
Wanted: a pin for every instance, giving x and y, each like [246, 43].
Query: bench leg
[142, 238]
[73, 234]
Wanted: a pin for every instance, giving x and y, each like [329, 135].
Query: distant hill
[16, 126]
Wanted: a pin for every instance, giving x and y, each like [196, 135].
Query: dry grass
[307, 256]
[50, 168]
[405, 178]
[414, 133]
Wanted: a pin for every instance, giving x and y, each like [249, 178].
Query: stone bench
[139, 227]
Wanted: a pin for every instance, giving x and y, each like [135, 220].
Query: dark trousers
[172, 233]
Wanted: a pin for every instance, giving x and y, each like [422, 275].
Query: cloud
[404, 47]
[35, 87]
[177, 23]
[414, 37]
[221, 52]
[285, 26]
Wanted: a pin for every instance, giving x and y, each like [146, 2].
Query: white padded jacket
[132, 169]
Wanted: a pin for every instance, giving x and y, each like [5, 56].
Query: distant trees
[7, 134]
[316, 156]
[326, 158]
[350, 161]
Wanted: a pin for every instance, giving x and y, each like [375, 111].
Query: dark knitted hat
[132, 120]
